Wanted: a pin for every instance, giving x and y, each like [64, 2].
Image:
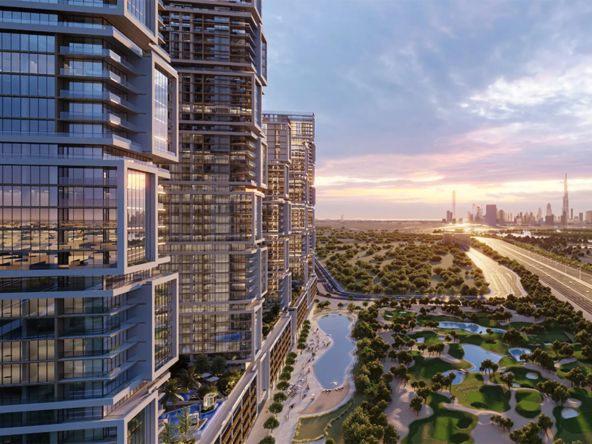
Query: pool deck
[323, 403]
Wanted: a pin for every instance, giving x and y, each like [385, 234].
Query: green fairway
[520, 376]
[456, 351]
[425, 368]
[472, 392]
[444, 426]
[429, 337]
[580, 427]
[396, 313]
[507, 362]
[583, 364]
[528, 403]
[494, 344]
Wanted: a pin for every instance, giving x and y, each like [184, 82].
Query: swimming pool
[476, 355]
[331, 367]
[468, 326]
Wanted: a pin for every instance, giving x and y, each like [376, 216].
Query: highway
[502, 281]
[571, 282]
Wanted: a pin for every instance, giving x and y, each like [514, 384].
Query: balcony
[101, 53]
[109, 118]
[112, 99]
[99, 74]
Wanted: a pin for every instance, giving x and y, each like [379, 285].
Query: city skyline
[408, 109]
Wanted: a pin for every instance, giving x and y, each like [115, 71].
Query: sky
[416, 98]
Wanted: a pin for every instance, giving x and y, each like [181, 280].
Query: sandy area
[399, 413]
[328, 401]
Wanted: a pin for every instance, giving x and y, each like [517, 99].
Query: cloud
[414, 99]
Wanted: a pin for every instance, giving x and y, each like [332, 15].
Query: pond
[468, 326]
[516, 352]
[331, 367]
[568, 412]
[476, 355]
[459, 376]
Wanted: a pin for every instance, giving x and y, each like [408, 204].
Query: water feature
[330, 368]
[516, 352]
[515, 384]
[568, 412]
[420, 340]
[468, 326]
[476, 355]
[459, 376]
[532, 375]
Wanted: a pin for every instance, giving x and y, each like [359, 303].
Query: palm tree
[189, 379]
[172, 392]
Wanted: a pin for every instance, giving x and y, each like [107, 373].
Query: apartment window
[136, 216]
[161, 111]
[136, 429]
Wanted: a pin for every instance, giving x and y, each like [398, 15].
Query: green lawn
[584, 364]
[429, 337]
[580, 427]
[472, 392]
[507, 362]
[425, 368]
[396, 313]
[444, 426]
[528, 403]
[456, 351]
[520, 376]
[493, 343]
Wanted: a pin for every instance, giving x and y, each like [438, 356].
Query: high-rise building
[214, 196]
[491, 215]
[588, 217]
[453, 204]
[581, 217]
[565, 209]
[549, 211]
[448, 216]
[89, 325]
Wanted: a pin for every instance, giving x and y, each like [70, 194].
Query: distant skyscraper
[589, 217]
[549, 211]
[453, 204]
[491, 215]
[539, 215]
[565, 210]
[581, 217]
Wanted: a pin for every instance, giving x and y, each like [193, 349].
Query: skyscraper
[88, 321]
[565, 210]
[453, 205]
[491, 215]
[215, 194]
[549, 211]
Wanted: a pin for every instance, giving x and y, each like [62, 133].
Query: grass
[456, 351]
[472, 392]
[528, 403]
[396, 313]
[425, 368]
[520, 377]
[422, 319]
[507, 362]
[429, 337]
[580, 427]
[583, 364]
[495, 344]
[443, 426]
[312, 427]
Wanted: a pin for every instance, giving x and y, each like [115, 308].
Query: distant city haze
[416, 99]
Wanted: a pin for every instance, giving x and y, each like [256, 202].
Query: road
[502, 281]
[572, 283]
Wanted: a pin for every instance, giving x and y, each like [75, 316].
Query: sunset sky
[414, 99]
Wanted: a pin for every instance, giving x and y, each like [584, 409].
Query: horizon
[416, 99]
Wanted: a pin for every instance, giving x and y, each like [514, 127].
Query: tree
[513, 337]
[556, 346]
[527, 434]
[218, 365]
[169, 434]
[575, 376]
[276, 407]
[560, 394]
[507, 378]
[283, 385]
[330, 441]
[171, 391]
[391, 436]
[271, 423]
[566, 351]
[189, 379]
[351, 307]
[545, 423]
[201, 363]
[270, 440]
[280, 397]
[358, 428]
[489, 332]
[416, 404]
[186, 429]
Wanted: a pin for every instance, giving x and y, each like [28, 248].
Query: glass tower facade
[213, 199]
[88, 320]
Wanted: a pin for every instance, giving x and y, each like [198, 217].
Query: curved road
[502, 280]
